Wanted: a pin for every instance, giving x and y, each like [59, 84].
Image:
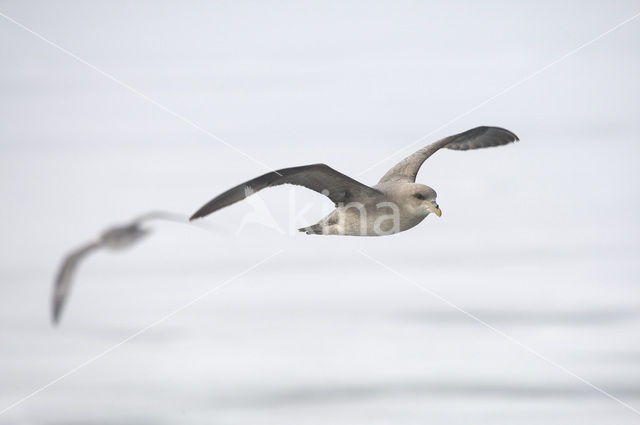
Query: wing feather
[64, 278]
[476, 138]
[318, 177]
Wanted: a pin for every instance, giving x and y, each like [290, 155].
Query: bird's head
[423, 199]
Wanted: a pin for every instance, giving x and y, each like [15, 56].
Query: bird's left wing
[476, 138]
[65, 277]
[321, 178]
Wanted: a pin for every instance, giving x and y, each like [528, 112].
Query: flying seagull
[395, 204]
[113, 239]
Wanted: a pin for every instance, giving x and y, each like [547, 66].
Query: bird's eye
[419, 196]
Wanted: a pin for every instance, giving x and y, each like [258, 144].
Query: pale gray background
[540, 239]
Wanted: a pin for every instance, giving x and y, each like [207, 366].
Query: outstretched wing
[318, 177]
[65, 277]
[476, 138]
[160, 215]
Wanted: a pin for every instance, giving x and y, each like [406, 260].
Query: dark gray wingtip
[57, 302]
[482, 137]
[514, 135]
[509, 132]
[55, 316]
[57, 305]
[202, 212]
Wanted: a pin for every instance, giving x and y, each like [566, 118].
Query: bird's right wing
[476, 138]
[317, 177]
[65, 276]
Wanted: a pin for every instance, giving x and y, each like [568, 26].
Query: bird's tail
[315, 229]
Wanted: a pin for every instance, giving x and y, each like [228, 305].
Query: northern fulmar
[395, 204]
[116, 238]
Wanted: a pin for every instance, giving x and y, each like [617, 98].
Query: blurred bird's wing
[65, 277]
[317, 177]
[476, 138]
[160, 215]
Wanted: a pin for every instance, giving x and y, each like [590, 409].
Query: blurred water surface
[539, 239]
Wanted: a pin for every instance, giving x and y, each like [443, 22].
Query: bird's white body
[395, 210]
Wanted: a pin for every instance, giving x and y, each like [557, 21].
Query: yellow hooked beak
[434, 208]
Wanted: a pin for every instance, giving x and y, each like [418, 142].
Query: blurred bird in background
[114, 239]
